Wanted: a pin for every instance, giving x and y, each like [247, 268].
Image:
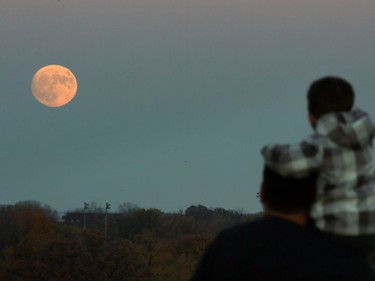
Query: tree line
[139, 244]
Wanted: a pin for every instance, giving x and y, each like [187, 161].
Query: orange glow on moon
[54, 85]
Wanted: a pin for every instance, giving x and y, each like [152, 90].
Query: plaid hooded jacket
[340, 151]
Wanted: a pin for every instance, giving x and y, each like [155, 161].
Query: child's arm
[295, 160]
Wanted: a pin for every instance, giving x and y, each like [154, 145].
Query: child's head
[329, 94]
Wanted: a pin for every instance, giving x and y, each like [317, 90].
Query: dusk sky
[175, 97]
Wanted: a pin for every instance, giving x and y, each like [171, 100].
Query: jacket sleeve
[297, 160]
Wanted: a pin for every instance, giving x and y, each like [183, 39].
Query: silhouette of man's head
[287, 195]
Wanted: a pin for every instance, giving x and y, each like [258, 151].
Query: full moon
[54, 85]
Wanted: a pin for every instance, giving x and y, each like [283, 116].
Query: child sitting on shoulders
[340, 151]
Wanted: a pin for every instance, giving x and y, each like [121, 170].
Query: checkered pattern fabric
[340, 151]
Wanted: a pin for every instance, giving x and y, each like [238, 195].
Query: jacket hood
[353, 129]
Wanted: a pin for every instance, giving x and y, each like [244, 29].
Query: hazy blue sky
[175, 97]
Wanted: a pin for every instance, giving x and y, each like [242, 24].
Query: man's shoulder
[261, 228]
[272, 248]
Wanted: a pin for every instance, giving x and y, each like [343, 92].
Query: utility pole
[107, 207]
[85, 207]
